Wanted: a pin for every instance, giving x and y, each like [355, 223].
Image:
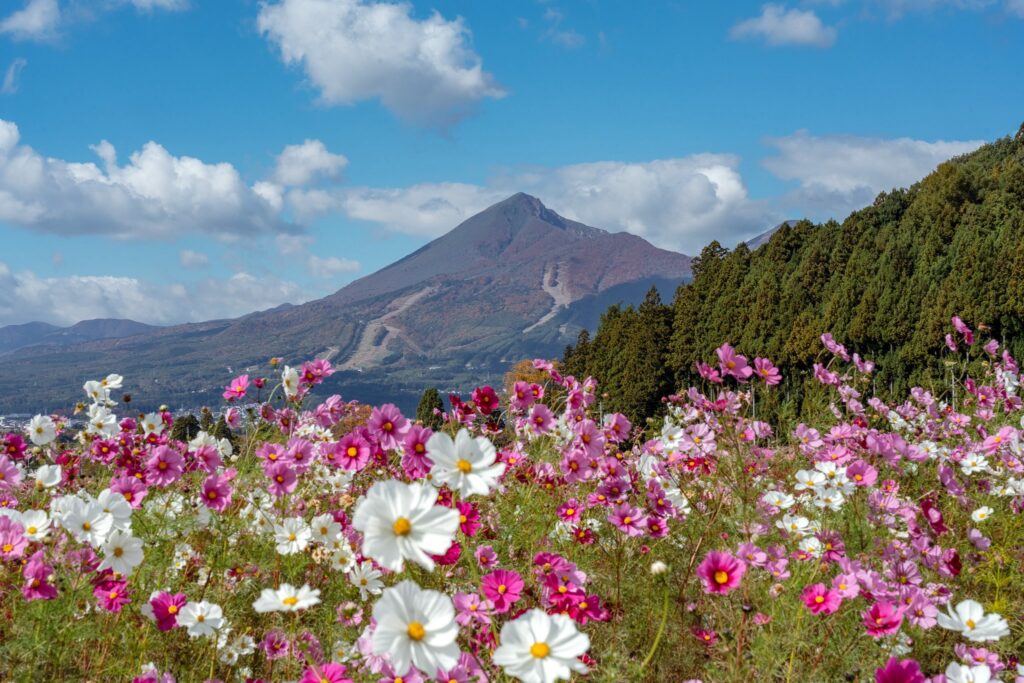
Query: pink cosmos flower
[282, 479]
[820, 600]
[14, 446]
[541, 419]
[237, 388]
[732, 363]
[353, 452]
[764, 369]
[233, 418]
[38, 575]
[469, 518]
[131, 489]
[834, 347]
[882, 619]
[709, 373]
[628, 519]
[522, 395]
[12, 539]
[486, 557]
[962, 329]
[112, 595]
[388, 426]
[300, 454]
[899, 671]
[861, 473]
[470, 607]
[10, 476]
[275, 645]
[271, 454]
[503, 588]
[217, 491]
[415, 461]
[326, 673]
[165, 609]
[721, 572]
[570, 511]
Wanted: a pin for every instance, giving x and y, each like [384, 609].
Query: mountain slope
[13, 337]
[516, 280]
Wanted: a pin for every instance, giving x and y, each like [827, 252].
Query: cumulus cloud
[327, 268]
[193, 260]
[778, 26]
[556, 33]
[423, 70]
[679, 204]
[300, 164]
[26, 296]
[153, 195]
[839, 173]
[10, 84]
[37, 20]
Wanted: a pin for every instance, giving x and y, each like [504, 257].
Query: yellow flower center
[291, 601]
[540, 650]
[721, 577]
[502, 589]
[8, 547]
[970, 624]
[569, 512]
[464, 466]
[819, 599]
[416, 631]
[32, 529]
[86, 526]
[402, 527]
[118, 552]
[352, 451]
[172, 609]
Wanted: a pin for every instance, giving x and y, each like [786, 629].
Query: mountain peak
[521, 207]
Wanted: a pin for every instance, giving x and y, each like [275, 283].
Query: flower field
[528, 536]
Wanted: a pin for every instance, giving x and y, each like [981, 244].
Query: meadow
[526, 536]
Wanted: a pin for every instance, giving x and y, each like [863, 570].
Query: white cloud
[566, 37]
[173, 5]
[425, 71]
[37, 20]
[840, 173]
[193, 260]
[679, 204]
[331, 266]
[778, 26]
[67, 300]
[1015, 7]
[299, 164]
[10, 85]
[154, 195]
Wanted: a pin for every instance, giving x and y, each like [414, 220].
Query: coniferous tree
[425, 414]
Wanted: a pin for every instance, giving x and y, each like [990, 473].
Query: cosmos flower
[401, 522]
[122, 553]
[415, 627]
[721, 572]
[541, 648]
[969, 618]
[200, 619]
[466, 465]
[287, 598]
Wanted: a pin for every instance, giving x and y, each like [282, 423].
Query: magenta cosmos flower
[165, 609]
[882, 619]
[388, 426]
[326, 673]
[237, 388]
[37, 579]
[732, 363]
[721, 572]
[900, 671]
[764, 369]
[282, 479]
[352, 452]
[503, 588]
[217, 491]
[820, 600]
[628, 519]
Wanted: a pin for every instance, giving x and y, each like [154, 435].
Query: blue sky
[263, 152]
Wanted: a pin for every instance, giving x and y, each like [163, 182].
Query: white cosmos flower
[48, 476]
[400, 522]
[42, 430]
[36, 523]
[325, 529]
[961, 673]
[794, 524]
[981, 514]
[293, 536]
[343, 559]
[830, 498]
[96, 391]
[366, 579]
[779, 499]
[541, 648]
[809, 480]
[201, 618]
[466, 464]
[415, 627]
[122, 553]
[970, 619]
[118, 507]
[973, 463]
[290, 381]
[112, 381]
[101, 422]
[152, 422]
[87, 521]
[287, 598]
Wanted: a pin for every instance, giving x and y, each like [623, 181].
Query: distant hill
[14, 337]
[514, 281]
[885, 282]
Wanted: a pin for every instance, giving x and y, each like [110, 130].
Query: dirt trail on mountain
[372, 346]
[555, 286]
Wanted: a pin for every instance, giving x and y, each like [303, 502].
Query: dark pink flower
[721, 572]
[882, 619]
[165, 609]
[237, 388]
[388, 426]
[764, 369]
[282, 479]
[503, 588]
[899, 671]
[820, 600]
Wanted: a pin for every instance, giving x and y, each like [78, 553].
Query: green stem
[661, 632]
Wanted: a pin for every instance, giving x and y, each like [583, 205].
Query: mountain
[755, 242]
[514, 281]
[885, 282]
[13, 337]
